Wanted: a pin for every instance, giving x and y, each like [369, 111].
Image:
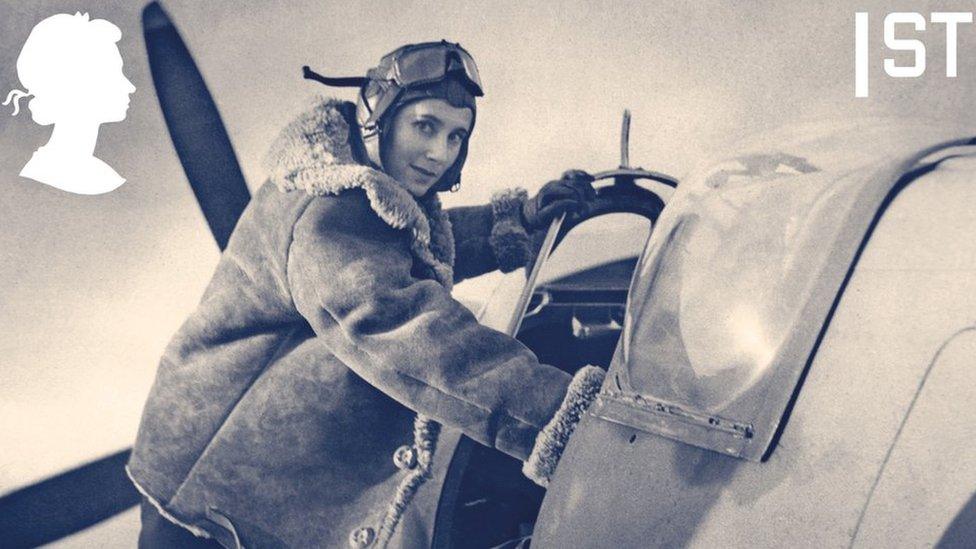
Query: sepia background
[92, 287]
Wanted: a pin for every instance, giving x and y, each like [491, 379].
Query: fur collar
[312, 154]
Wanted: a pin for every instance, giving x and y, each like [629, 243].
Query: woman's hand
[568, 194]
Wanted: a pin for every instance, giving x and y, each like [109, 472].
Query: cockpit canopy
[737, 282]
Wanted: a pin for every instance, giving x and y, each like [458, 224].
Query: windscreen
[737, 280]
[722, 286]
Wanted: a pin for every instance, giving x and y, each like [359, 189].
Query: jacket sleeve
[490, 237]
[350, 277]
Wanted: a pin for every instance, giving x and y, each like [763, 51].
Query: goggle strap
[343, 82]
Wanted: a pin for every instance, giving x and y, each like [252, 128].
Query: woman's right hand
[568, 194]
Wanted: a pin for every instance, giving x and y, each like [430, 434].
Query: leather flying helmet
[441, 70]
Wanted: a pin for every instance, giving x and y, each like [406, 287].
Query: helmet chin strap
[371, 141]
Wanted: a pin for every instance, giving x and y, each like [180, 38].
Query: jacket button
[362, 537]
[405, 457]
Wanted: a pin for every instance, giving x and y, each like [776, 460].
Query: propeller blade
[194, 124]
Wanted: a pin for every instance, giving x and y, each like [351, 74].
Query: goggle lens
[430, 63]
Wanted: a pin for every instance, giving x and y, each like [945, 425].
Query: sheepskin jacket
[300, 403]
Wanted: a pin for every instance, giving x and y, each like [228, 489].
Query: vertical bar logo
[894, 24]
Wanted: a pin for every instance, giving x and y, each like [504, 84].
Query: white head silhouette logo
[72, 68]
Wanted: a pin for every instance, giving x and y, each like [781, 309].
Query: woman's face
[426, 139]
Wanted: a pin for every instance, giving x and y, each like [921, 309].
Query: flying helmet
[441, 70]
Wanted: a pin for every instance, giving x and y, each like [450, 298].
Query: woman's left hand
[568, 194]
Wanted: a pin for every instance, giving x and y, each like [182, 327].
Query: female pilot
[301, 402]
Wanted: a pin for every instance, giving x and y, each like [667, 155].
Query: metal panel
[930, 473]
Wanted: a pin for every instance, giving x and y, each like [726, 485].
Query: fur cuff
[552, 440]
[509, 240]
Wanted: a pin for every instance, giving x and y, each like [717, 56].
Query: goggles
[415, 65]
[420, 64]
